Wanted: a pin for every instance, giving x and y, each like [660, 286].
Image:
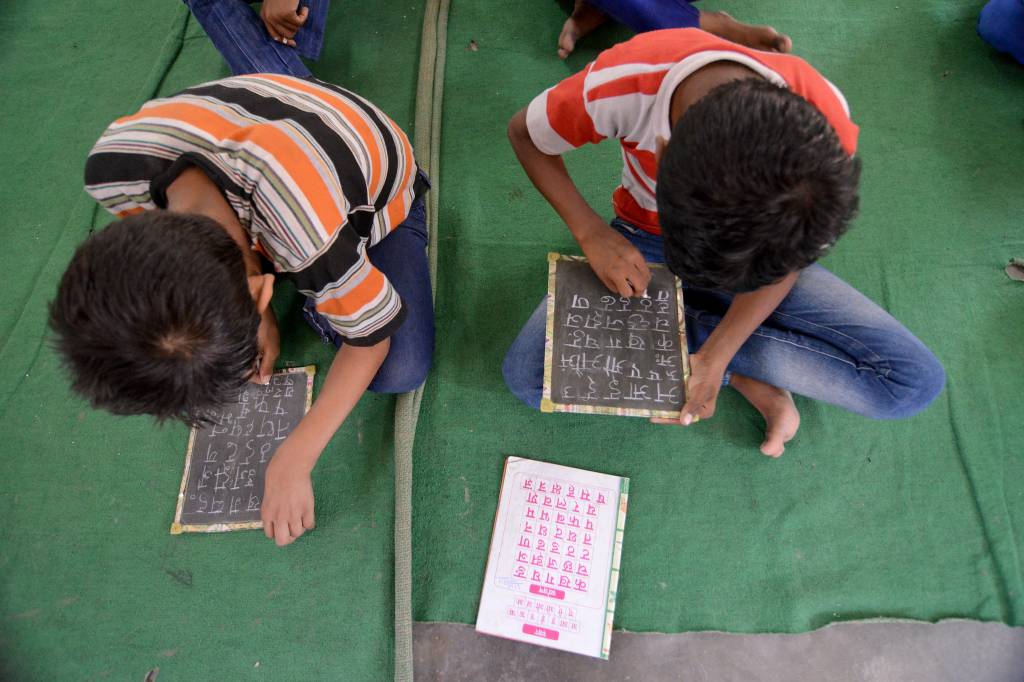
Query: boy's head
[753, 185]
[154, 315]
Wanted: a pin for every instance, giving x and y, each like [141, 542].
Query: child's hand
[283, 19]
[287, 510]
[269, 341]
[616, 262]
[701, 393]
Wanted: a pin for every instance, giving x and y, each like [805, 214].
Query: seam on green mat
[426, 139]
[1005, 604]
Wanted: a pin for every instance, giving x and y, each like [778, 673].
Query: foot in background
[584, 19]
[653, 15]
[758, 37]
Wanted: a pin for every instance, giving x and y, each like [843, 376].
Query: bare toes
[775, 41]
[773, 447]
[566, 41]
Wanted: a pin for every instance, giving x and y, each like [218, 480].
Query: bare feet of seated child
[782, 419]
[586, 17]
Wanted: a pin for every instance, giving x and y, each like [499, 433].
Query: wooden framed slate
[607, 354]
[222, 486]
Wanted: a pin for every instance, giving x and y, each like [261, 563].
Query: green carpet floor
[92, 586]
[916, 519]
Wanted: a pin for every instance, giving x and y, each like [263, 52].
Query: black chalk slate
[608, 354]
[222, 487]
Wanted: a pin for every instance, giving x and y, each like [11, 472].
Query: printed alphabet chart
[609, 354]
[553, 568]
[226, 461]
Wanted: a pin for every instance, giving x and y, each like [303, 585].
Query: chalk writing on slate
[222, 487]
[609, 354]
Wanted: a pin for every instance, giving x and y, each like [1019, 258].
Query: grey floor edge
[864, 651]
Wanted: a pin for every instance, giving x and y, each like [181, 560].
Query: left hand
[283, 19]
[269, 340]
[701, 392]
[287, 509]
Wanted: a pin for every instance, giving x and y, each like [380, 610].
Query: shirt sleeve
[558, 120]
[837, 111]
[117, 178]
[362, 306]
[807, 82]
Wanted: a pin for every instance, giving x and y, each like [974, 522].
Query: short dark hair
[752, 186]
[154, 316]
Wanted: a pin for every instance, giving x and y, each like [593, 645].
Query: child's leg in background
[1001, 25]
[402, 257]
[650, 15]
[654, 15]
[826, 341]
[238, 33]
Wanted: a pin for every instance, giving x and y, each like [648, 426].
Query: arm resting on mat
[616, 262]
[287, 509]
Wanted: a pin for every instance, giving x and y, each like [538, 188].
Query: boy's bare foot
[778, 409]
[757, 37]
[584, 19]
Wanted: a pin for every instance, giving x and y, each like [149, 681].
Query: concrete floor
[868, 651]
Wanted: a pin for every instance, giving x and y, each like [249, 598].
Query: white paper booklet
[553, 568]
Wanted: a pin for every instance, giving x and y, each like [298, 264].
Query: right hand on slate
[616, 262]
[287, 509]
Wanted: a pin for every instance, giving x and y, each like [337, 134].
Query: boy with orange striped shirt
[219, 190]
[739, 174]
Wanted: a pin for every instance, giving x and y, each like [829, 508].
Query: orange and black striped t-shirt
[315, 173]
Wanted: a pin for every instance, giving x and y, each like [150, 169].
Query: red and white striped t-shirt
[626, 93]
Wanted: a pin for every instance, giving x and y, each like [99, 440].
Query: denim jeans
[402, 257]
[1001, 25]
[825, 340]
[239, 35]
[650, 15]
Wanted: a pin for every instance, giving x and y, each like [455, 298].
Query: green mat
[92, 586]
[915, 519]
[918, 519]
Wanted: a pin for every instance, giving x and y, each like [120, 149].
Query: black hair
[154, 316]
[752, 186]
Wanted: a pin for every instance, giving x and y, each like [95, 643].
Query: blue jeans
[650, 15]
[402, 257]
[239, 35]
[1001, 25]
[825, 340]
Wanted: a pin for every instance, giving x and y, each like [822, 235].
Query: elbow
[517, 132]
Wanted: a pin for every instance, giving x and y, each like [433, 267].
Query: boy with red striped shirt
[739, 174]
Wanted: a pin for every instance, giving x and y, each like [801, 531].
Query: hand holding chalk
[618, 264]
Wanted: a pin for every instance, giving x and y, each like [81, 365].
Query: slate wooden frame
[547, 404]
[177, 527]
